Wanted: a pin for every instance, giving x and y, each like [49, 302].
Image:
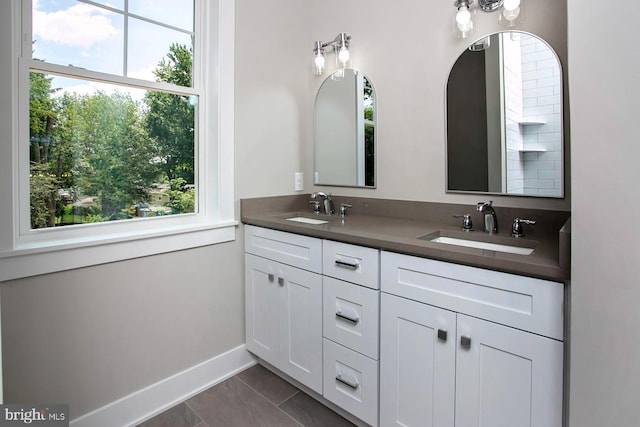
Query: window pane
[115, 4]
[69, 32]
[177, 13]
[102, 152]
[149, 44]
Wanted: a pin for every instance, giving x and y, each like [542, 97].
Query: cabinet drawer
[292, 249]
[350, 315]
[351, 381]
[525, 303]
[352, 263]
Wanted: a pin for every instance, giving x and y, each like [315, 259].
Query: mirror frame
[375, 133]
[563, 139]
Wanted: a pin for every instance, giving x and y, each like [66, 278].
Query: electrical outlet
[299, 181]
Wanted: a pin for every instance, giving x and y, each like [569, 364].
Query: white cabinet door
[506, 377]
[417, 364]
[262, 308]
[301, 326]
[284, 318]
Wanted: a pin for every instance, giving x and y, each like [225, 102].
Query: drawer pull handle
[465, 342]
[353, 320]
[354, 385]
[281, 281]
[347, 264]
[271, 277]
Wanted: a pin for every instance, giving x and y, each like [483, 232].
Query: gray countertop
[369, 224]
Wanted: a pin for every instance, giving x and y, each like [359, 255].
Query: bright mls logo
[35, 415]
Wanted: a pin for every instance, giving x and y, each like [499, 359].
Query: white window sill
[35, 260]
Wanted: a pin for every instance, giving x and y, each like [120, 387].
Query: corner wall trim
[152, 400]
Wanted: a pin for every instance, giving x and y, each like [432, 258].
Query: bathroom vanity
[397, 328]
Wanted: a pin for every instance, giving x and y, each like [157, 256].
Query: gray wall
[156, 316]
[94, 335]
[406, 48]
[605, 88]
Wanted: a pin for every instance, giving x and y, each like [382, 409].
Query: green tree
[113, 152]
[41, 115]
[44, 171]
[111, 147]
[181, 196]
[170, 118]
[42, 190]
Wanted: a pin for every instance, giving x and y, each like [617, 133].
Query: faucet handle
[316, 206]
[343, 209]
[467, 224]
[517, 228]
[481, 205]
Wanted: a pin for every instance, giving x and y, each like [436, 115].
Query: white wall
[605, 88]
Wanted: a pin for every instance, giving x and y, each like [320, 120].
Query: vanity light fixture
[318, 60]
[463, 25]
[340, 47]
[510, 14]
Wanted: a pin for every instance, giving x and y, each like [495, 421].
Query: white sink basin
[483, 245]
[307, 220]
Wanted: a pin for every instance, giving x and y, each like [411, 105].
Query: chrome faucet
[327, 203]
[489, 217]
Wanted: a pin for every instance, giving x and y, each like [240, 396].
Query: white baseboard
[156, 398]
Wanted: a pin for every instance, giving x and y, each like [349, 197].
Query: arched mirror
[505, 118]
[344, 131]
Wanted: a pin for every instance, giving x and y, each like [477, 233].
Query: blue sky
[73, 32]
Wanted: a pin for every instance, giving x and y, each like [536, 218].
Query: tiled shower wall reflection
[533, 117]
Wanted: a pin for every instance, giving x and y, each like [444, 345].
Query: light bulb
[343, 56]
[511, 5]
[511, 12]
[319, 63]
[463, 19]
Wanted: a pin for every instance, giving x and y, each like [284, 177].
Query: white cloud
[143, 73]
[80, 25]
[88, 88]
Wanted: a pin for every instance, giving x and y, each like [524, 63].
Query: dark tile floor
[253, 398]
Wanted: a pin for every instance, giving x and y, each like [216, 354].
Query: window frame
[26, 252]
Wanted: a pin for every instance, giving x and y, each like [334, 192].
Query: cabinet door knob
[281, 281]
[442, 335]
[465, 342]
[271, 277]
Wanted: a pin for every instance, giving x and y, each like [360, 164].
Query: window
[104, 147]
[119, 126]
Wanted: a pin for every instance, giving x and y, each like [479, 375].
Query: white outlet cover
[299, 181]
